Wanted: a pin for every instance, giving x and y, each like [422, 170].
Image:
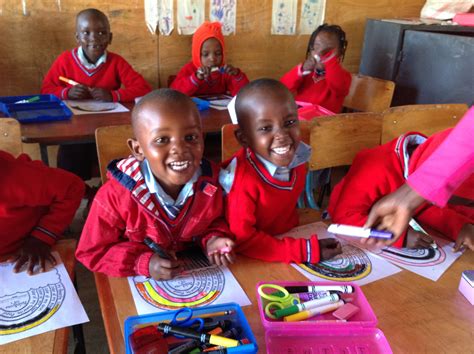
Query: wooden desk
[81, 128]
[416, 314]
[53, 341]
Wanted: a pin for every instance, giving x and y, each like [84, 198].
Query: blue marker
[355, 231]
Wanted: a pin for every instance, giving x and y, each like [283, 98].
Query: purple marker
[356, 231]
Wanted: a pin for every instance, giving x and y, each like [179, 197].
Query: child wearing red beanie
[207, 73]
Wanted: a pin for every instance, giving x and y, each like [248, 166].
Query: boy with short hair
[266, 177]
[37, 203]
[166, 191]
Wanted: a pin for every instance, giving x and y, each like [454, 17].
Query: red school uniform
[35, 200]
[259, 207]
[124, 212]
[115, 75]
[382, 170]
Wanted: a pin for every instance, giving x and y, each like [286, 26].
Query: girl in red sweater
[207, 73]
[321, 79]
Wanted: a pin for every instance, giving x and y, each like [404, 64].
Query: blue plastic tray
[201, 104]
[47, 108]
[238, 318]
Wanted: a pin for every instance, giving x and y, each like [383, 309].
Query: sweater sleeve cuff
[300, 70]
[312, 250]
[65, 93]
[194, 79]
[142, 267]
[115, 96]
[44, 235]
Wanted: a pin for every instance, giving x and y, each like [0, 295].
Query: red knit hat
[204, 32]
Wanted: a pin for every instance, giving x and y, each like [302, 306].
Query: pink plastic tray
[308, 111]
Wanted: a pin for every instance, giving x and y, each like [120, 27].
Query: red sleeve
[34, 184]
[293, 78]
[186, 81]
[234, 83]
[133, 84]
[51, 83]
[337, 78]
[444, 220]
[103, 246]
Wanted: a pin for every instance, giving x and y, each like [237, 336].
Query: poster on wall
[166, 20]
[190, 15]
[284, 17]
[224, 11]
[312, 15]
[151, 15]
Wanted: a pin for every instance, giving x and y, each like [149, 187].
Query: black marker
[155, 248]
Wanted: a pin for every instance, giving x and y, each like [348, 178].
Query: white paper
[166, 18]
[151, 15]
[430, 263]
[354, 264]
[200, 285]
[312, 15]
[231, 109]
[284, 16]
[94, 107]
[36, 304]
[224, 11]
[190, 15]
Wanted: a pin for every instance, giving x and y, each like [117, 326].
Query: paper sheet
[94, 107]
[31, 305]
[355, 264]
[190, 15]
[166, 17]
[201, 284]
[312, 15]
[284, 16]
[151, 15]
[219, 102]
[224, 11]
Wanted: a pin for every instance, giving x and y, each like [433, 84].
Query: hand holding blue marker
[155, 248]
[355, 231]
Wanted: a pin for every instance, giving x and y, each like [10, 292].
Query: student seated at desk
[380, 171]
[321, 79]
[265, 178]
[207, 73]
[37, 203]
[166, 191]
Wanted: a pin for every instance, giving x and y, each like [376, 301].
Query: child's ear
[77, 37]
[240, 137]
[110, 38]
[136, 149]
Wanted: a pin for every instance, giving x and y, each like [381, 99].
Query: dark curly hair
[337, 30]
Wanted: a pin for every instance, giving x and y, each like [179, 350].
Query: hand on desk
[465, 238]
[329, 248]
[79, 92]
[164, 269]
[32, 253]
[100, 94]
[220, 251]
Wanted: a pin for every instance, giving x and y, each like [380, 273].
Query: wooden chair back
[369, 94]
[112, 144]
[427, 119]
[10, 136]
[230, 144]
[335, 140]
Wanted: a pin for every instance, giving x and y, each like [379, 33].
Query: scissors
[186, 319]
[276, 302]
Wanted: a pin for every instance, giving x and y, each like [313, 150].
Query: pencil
[69, 81]
[204, 315]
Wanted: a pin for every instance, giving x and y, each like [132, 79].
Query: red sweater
[124, 212]
[328, 90]
[111, 75]
[380, 171]
[35, 200]
[187, 82]
[259, 207]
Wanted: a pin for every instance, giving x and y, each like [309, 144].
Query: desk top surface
[81, 128]
[53, 341]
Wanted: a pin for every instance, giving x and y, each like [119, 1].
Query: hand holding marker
[355, 231]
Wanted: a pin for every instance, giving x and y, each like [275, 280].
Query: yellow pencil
[204, 315]
[69, 81]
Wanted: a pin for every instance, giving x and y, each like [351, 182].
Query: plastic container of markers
[42, 108]
[324, 333]
[237, 318]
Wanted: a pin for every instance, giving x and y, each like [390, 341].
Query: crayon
[69, 81]
[304, 315]
[345, 289]
[306, 306]
[202, 337]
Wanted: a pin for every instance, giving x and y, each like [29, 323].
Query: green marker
[306, 305]
[29, 100]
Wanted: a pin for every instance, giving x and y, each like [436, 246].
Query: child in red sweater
[165, 192]
[266, 177]
[321, 79]
[207, 73]
[380, 171]
[37, 203]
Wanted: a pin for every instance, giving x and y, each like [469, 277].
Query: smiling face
[211, 53]
[270, 126]
[168, 134]
[93, 34]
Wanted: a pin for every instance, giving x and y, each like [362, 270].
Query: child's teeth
[281, 150]
[180, 165]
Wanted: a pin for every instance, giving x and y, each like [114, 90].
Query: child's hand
[203, 72]
[165, 269]
[32, 253]
[229, 69]
[78, 92]
[220, 251]
[309, 64]
[100, 94]
[465, 238]
[417, 239]
[329, 248]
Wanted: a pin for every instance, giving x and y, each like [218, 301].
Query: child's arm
[133, 84]
[293, 78]
[235, 79]
[186, 81]
[52, 85]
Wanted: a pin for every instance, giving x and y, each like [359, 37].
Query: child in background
[265, 178]
[321, 79]
[207, 73]
[380, 171]
[37, 203]
[165, 192]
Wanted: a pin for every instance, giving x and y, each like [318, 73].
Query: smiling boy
[266, 177]
[166, 191]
